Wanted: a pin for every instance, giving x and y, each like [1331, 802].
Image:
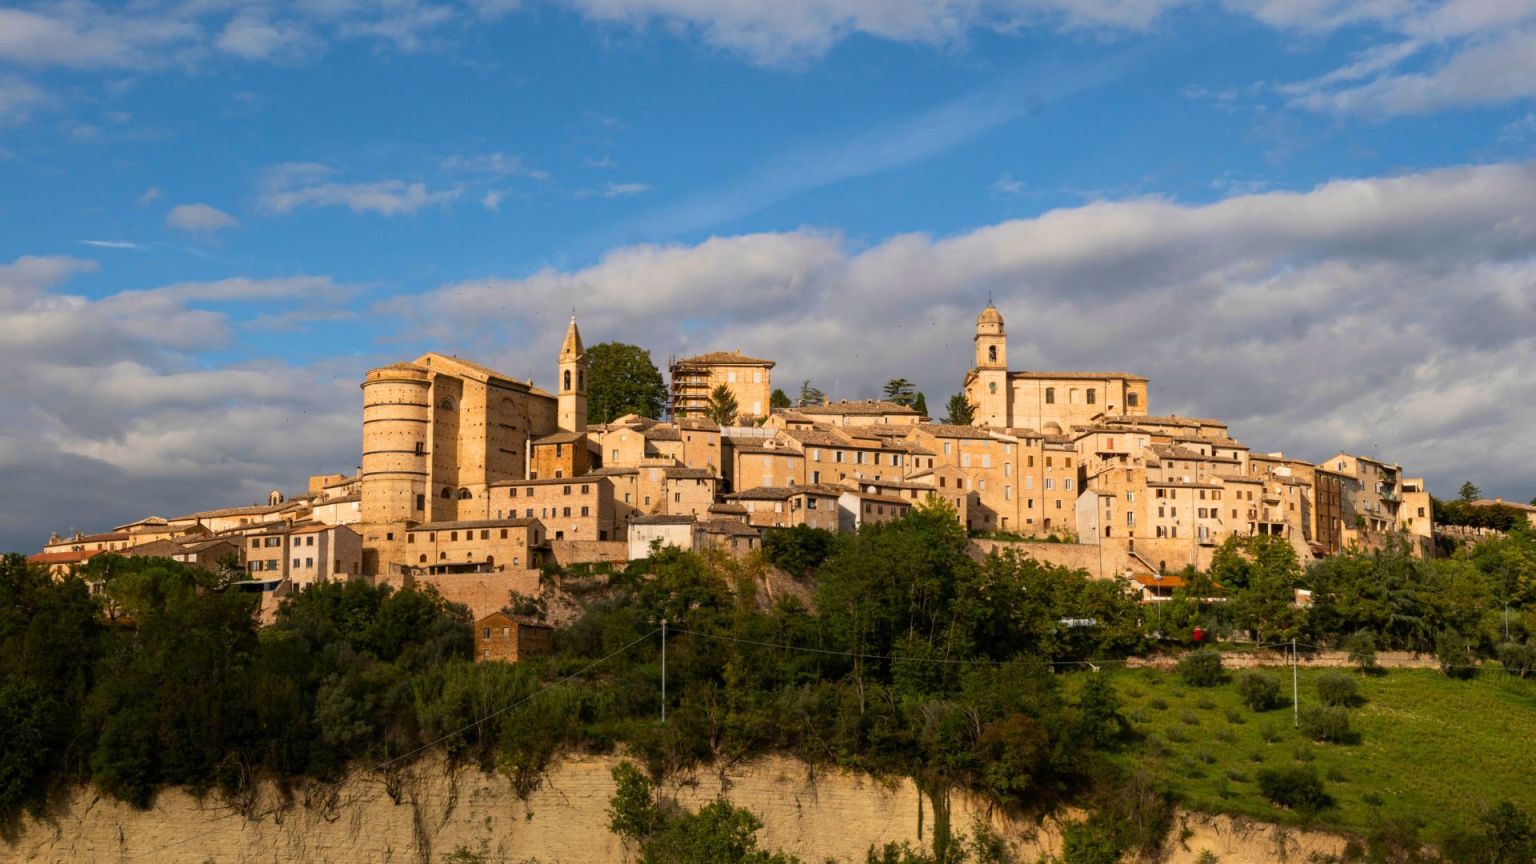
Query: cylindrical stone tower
[397, 404]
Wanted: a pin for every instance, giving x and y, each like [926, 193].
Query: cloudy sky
[1313, 218]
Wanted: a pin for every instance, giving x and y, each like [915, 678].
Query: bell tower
[989, 392]
[573, 382]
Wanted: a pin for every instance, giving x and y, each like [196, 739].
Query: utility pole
[663, 671]
[1295, 688]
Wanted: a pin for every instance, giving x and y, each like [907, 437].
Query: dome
[989, 317]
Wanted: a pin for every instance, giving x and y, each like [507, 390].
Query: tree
[810, 395]
[1470, 492]
[722, 407]
[920, 404]
[778, 400]
[621, 379]
[900, 391]
[961, 412]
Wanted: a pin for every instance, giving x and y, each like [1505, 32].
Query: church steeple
[573, 381]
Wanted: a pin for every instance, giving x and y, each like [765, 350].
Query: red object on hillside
[1199, 634]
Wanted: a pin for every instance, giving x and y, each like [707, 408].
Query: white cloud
[615, 190]
[16, 97]
[497, 165]
[773, 32]
[110, 416]
[252, 36]
[491, 201]
[301, 184]
[150, 196]
[200, 218]
[1007, 184]
[111, 244]
[1405, 305]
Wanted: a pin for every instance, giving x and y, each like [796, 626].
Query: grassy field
[1431, 751]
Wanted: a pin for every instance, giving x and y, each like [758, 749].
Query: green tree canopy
[900, 391]
[810, 395]
[960, 411]
[920, 404]
[778, 400]
[621, 379]
[722, 407]
[1470, 492]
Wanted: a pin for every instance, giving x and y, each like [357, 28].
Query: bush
[1201, 669]
[1455, 653]
[1518, 660]
[1337, 689]
[1258, 691]
[1362, 651]
[1298, 789]
[1325, 723]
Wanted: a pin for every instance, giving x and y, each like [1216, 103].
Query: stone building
[694, 378]
[499, 636]
[1051, 402]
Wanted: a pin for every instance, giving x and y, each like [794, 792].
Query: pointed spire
[572, 348]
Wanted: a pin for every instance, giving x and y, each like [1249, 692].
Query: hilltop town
[473, 481]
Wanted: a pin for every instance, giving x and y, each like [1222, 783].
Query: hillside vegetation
[912, 659]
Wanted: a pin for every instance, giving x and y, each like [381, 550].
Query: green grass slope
[1432, 752]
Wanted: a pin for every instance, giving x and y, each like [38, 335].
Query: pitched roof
[733, 527]
[858, 407]
[723, 358]
[156, 549]
[781, 493]
[948, 430]
[683, 472]
[71, 557]
[662, 519]
[662, 432]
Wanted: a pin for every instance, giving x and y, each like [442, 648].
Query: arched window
[567, 379]
[464, 495]
[423, 558]
[991, 386]
[490, 559]
[447, 493]
[992, 353]
[446, 404]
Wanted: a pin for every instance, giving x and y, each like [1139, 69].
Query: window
[991, 353]
[1050, 482]
[1007, 493]
[309, 562]
[421, 449]
[1132, 400]
[454, 535]
[584, 511]
[986, 460]
[421, 502]
[503, 533]
[615, 455]
[585, 488]
[410, 538]
[991, 386]
[1050, 395]
[485, 534]
[567, 379]
[446, 404]
[1092, 395]
[946, 448]
[295, 563]
[566, 490]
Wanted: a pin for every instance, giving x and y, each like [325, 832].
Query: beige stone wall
[751, 385]
[783, 467]
[577, 508]
[483, 593]
[565, 552]
[499, 546]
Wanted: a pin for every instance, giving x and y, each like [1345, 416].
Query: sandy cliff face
[428, 811]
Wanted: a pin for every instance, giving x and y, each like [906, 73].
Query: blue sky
[1308, 217]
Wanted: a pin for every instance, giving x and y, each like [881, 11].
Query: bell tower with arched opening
[573, 382]
[987, 385]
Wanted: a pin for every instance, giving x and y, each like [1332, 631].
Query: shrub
[1337, 689]
[1455, 653]
[1189, 718]
[1235, 717]
[1362, 651]
[1298, 789]
[1201, 669]
[1258, 691]
[1518, 660]
[1325, 723]
[1270, 732]
[1158, 703]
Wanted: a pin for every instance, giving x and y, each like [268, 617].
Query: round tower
[397, 402]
